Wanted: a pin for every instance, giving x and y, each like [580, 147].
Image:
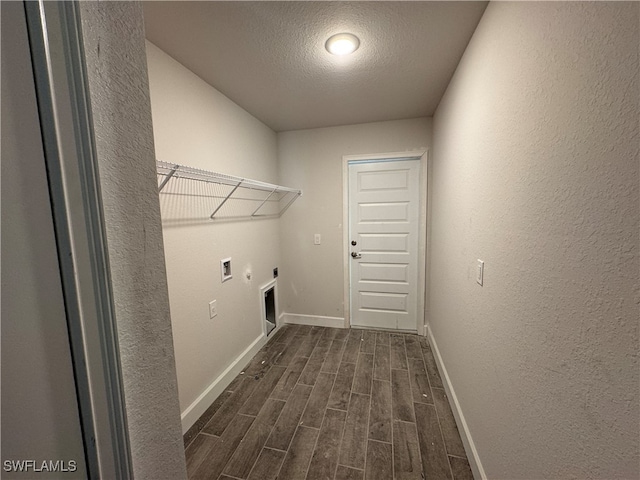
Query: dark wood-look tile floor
[325, 403]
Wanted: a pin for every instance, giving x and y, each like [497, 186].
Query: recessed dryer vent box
[225, 269]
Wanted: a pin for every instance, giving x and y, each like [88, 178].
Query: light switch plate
[480, 272]
[317, 239]
[213, 309]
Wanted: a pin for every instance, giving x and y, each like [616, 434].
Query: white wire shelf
[194, 194]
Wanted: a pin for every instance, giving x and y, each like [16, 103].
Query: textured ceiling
[269, 57]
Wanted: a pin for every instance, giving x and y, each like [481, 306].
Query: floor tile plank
[434, 456]
[289, 379]
[341, 334]
[325, 456]
[339, 398]
[309, 343]
[330, 332]
[382, 338]
[412, 346]
[288, 354]
[398, 354]
[401, 396]
[354, 438]
[197, 427]
[352, 348]
[379, 461]
[201, 447]
[380, 421]
[432, 369]
[419, 381]
[310, 373]
[312, 416]
[368, 341]
[346, 473]
[452, 440]
[460, 468]
[364, 374]
[321, 351]
[298, 456]
[262, 391]
[267, 465]
[406, 452]
[230, 408]
[304, 330]
[213, 465]
[334, 356]
[381, 365]
[247, 452]
[288, 422]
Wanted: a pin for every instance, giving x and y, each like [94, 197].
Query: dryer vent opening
[270, 309]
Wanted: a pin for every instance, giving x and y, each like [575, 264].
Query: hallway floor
[327, 403]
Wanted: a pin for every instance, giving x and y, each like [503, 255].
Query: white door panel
[383, 221]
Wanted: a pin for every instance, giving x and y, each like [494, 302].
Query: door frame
[422, 156]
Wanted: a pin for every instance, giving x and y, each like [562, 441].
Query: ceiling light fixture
[342, 44]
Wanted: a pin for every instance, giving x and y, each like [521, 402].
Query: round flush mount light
[342, 44]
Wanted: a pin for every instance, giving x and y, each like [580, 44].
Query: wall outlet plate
[480, 272]
[317, 239]
[225, 269]
[213, 309]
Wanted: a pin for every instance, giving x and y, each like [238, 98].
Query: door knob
[355, 255]
[354, 243]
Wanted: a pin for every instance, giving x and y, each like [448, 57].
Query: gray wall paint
[115, 54]
[196, 125]
[535, 171]
[312, 280]
[39, 409]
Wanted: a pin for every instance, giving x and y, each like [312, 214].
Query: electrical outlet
[317, 239]
[480, 272]
[213, 309]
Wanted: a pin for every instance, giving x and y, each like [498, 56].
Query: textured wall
[312, 280]
[39, 408]
[536, 171]
[195, 125]
[115, 50]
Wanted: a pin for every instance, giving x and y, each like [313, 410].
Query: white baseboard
[204, 401]
[315, 320]
[465, 434]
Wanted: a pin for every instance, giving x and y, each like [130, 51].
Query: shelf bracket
[168, 177]
[293, 199]
[226, 198]
[263, 202]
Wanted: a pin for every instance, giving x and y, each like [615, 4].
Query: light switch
[480, 272]
[213, 309]
[317, 239]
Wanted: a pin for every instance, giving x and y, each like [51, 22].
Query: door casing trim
[422, 156]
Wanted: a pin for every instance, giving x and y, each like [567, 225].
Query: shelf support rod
[167, 178]
[226, 198]
[293, 199]
[263, 202]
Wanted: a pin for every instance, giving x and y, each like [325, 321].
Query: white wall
[311, 277]
[195, 125]
[40, 418]
[113, 37]
[535, 171]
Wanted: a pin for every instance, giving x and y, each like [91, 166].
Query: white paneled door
[384, 205]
